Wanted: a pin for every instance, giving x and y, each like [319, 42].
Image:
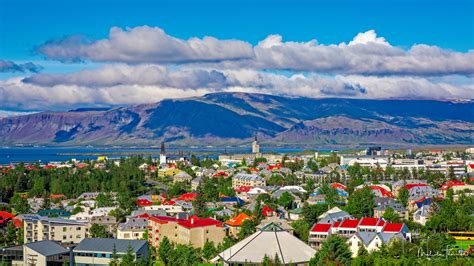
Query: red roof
[452, 183]
[383, 191]
[57, 196]
[6, 215]
[349, 223]
[81, 165]
[336, 224]
[393, 227]
[338, 186]
[49, 166]
[17, 222]
[369, 221]
[188, 197]
[253, 169]
[168, 202]
[220, 174]
[243, 189]
[195, 221]
[267, 211]
[31, 167]
[164, 219]
[144, 202]
[410, 186]
[321, 228]
[471, 165]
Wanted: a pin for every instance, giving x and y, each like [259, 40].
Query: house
[196, 182]
[98, 251]
[422, 215]
[272, 241]
[37, 228]
[242, 179]
[182, 176]
[193, 231]
[5, 217]
[236, 222]
[109, 222]
[371, 241]
[334, 215]
[45, 252]
[319, 234]
[397, 207]
[231, 201]
[132, 229]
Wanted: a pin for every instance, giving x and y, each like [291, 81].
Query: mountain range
[234, 118]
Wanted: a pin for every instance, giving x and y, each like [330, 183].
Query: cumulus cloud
[10, 66]
[146, 45]
[365, 54]
[122, 84]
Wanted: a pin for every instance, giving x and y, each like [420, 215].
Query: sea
[12, 155]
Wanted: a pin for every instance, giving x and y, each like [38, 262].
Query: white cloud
[365, 54]
[121, 84]
[146, 45]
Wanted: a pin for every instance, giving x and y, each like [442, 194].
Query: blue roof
[233, 199]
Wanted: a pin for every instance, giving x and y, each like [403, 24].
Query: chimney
[192, 220]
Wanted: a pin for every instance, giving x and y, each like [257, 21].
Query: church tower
[255, 146]
[162, 153]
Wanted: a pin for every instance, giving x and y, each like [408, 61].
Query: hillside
[231, 118]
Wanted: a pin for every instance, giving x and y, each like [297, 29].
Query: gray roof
[134, 223]
[107, 245]
[47, 248]
[366, 237]
[270, 240]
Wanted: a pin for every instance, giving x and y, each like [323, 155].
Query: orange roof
[238, 220]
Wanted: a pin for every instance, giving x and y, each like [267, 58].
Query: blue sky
[448, 24]
[26, 26]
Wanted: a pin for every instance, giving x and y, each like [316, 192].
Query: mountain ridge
[231, 118]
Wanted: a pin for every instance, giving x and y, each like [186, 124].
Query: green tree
[165, 250]
[247, 228]
[129, 257]
[199, 204]
[209, 251]
[286, 200]
[334, 251]
[301, 229]
[184, 255]
[403, 196]
[115, 259]
[98, 231]
[390, 215]
[361, 203]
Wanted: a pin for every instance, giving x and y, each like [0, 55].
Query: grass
[464, 244]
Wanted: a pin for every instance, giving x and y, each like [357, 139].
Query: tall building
[255, 146]
[194, 231]
[38, 228]
[162, 154]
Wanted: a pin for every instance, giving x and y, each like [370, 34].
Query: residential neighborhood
[255, 209]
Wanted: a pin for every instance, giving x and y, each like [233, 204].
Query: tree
[129, 257]
[286, 200]
[199, 204]
[403, 196]
[99, 231]
[209, 251]
[312, 212]
[390, 215]
[301, 229]
[165, 250]
[115, 259]
[184, 255]
[361, 203]
[248, 227]
[333, 251]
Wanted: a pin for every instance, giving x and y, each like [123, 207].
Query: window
[78, 228]
[64, 229]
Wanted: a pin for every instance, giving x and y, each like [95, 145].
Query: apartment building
[252, 180]
[133, 228]
[193, 231]
[360, 227]
[99, 251]
[38, 228]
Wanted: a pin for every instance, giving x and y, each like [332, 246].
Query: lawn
[464, 243]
